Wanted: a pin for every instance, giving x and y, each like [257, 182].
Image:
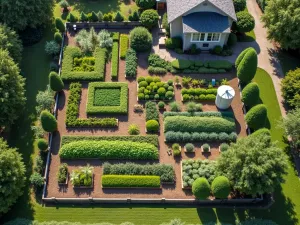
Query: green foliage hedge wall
[67, 72]
[130, 181]
[108, 150]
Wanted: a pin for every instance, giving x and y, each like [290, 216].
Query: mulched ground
[168, 191]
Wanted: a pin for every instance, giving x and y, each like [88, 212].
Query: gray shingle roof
[205, 22]
[177, 8]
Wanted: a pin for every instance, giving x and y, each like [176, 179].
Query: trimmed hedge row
[199, 124]
[151, 111]
[115, 60]
[115, 36]
[67, 72]
[157, 70]
[182, 64]
[123, 45]
[201, 114]
[130, 181]
[184, 137]
[151, 139]
[166, 172]
[199, 94]
[121, 109]
[108, 150]
[73, 112]
[131, 63]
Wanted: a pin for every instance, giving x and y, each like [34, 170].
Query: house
[205, 23]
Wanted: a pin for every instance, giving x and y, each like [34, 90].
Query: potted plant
[62, 174]
[189, 147]
[205, 148]
[176, 149]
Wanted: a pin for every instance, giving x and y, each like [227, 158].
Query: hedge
[184, 137]
[157, 70]
[48, 121]
[115, 60]
[201, 114]
[123, 45]
[211, 66]
[107, 109]
[73, 112]
[130, 181]
[201, 188]
[151, 139]
[166, 172]
[250, 94]
[199, 94]
[108, 150]
[115, 36]
[220, 187]
[256, 117]
[199, 124]
[131, 63]
[67, 72]
[152, 112]
[247, 66]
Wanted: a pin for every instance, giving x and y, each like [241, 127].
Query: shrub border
[67, 64]
[122, 109]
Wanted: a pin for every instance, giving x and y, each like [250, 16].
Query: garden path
[267, 53]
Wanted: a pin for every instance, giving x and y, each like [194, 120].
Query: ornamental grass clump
[108, 150]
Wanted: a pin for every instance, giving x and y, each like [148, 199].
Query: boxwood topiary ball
[220, 187]
[42, 144]
[256, 117]
[152, 126]
[201, 188]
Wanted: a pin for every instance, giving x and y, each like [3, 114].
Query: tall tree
[254, 165]
[282, 18]
[22, 13]
[10, 41]
[12, 176]
[12, 92]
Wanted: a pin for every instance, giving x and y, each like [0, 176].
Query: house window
[205, 37]
[197, 37]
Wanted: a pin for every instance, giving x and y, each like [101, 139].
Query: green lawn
[105, 6]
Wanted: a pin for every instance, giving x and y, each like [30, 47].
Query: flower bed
[199, 94]
[62, 174]
[193, 169]
[115, 60]
[152, 112]
[123, 45]
[130, 181]
[165, 172]
[68, 73]
[150, 139]
[73, 111]
[107, 98]
[199, 124]
[108, 150]
[151, 88]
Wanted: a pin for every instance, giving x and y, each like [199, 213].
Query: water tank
[224, 97]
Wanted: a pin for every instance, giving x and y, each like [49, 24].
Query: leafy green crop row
[166, 172]
[69, 74]
[72, 113]
[201, 114]
[150, 139]
[199, 124]
[115, 60]
[130, 181]
[123, 45]
[108, 150]
[122, 108]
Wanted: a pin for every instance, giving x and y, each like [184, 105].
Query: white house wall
[176, 28]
